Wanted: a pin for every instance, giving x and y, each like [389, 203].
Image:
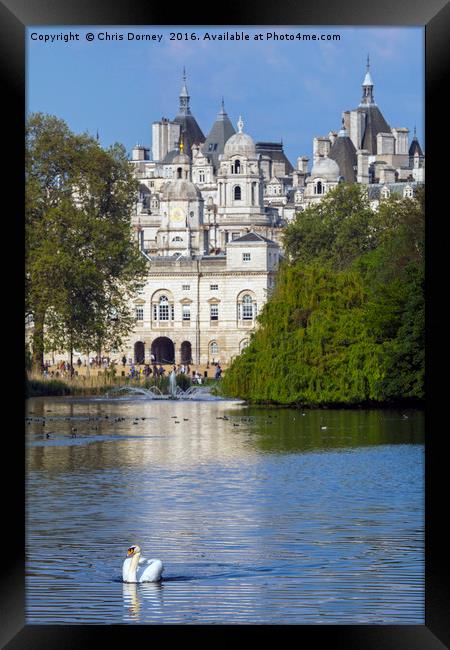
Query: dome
[240, 143]
[180, 190]
[325, 168]
[181, 159]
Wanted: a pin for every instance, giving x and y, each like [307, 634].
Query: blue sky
[284, 90]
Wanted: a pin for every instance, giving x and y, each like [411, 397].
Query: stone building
[210, 212]
[366, 150]
[202, 309]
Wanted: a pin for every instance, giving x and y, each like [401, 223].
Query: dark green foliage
[335, 231]
[345, 324]
[81, 261]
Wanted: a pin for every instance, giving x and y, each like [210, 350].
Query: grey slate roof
[221, 131]
[344, 153]
[252, 237]
[374, 189]
[191, 133]
[415, 147]
[375, 123]
[275, 151]
[170, 155]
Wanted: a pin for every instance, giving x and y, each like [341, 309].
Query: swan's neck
[133, 567]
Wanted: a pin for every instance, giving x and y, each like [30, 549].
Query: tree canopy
[345, 323]
[82, 263]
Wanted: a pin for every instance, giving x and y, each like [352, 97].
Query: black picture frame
[15, 16]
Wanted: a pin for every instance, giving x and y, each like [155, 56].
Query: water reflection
[133, 594]
[259, 515]
[190, 433]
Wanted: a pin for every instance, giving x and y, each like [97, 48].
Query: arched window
[237, 167]
[247, 308]
[163, 308]
[201, 176]
[319, 188]
[237, 193]
[179, 172]
[213, 348]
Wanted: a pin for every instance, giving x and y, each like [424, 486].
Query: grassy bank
[37, 386]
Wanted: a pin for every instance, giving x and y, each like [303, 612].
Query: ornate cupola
[190, 130]
[184, 108]
[367, 86]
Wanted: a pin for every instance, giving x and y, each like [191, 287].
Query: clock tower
[181, 229]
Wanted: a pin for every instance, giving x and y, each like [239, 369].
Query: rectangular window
[186, 312]
[235, 235]
[247, 311]
[139, 313]
[214, 312]
[186, 287]
[164, 312]
[246, 257]
[214, 287]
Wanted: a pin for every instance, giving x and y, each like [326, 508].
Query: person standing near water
[173, 381]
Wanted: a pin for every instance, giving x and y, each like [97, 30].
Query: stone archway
[163, 350]
[186, 352]
[139, 352]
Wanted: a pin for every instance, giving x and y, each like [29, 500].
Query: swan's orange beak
[130, 551]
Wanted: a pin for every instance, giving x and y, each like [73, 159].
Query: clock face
[177, 215]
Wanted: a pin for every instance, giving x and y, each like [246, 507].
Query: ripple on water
[269, 522]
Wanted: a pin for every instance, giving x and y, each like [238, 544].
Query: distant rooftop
[252, 237]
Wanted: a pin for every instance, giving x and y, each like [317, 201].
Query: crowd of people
[65, 369]
[136, 372]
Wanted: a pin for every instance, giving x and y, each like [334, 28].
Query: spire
[184, 97]
[222, 113]
[343, 132]
[367, 85]
[240, 124]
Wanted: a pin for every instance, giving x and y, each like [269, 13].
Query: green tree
[345, 324]
[335, 231]
[394, 277]
[82, 264]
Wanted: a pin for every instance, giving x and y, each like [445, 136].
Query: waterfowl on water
[133, 571]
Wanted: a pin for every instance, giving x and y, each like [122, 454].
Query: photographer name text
[240, 36]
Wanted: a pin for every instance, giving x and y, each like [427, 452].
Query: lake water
[264, 517]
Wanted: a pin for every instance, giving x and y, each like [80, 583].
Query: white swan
[132, 572]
